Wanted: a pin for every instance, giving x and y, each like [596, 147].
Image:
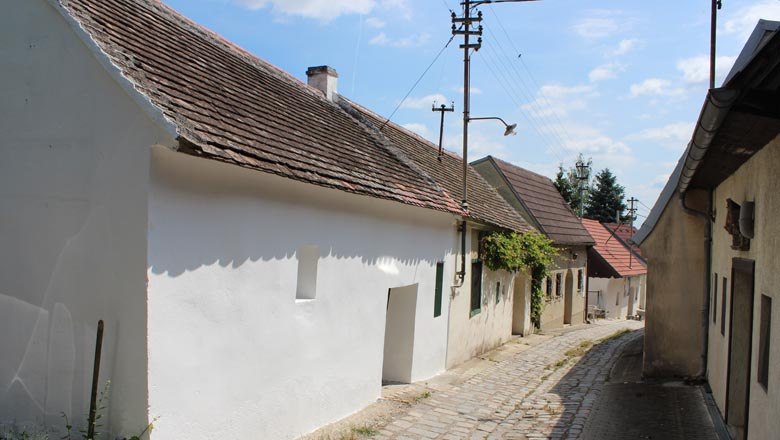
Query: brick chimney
[323, 78]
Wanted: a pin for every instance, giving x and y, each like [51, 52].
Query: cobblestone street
[583, 382]
[537, 393]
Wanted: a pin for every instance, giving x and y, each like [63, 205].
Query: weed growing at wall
[514, 252]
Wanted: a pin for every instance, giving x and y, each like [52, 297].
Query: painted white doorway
[399, 334]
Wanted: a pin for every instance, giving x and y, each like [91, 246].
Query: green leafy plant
[515, 252]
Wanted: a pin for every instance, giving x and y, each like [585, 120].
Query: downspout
[705, 322]
[462, 272]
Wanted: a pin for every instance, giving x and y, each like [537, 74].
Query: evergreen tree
[606, 198]
[564, 185]
[567, 183]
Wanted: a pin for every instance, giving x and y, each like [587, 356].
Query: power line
[417, 82]
[530, 74]
[539, 117]
[505, 82]
[501, 81]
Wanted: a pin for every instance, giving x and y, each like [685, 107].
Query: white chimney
[323, 78]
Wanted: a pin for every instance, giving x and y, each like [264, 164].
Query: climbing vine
[514, 252]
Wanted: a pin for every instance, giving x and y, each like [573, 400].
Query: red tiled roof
[624, 232]
[543, 201]
[485, 204]
[613, 251]
[230, 106]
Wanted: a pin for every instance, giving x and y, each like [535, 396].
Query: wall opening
[714, 300]
[763, 341]
[740, 348]
[476, 286]
[568, 299]
[437, 295]
[723, 295]
[308, 257]
[399, 334]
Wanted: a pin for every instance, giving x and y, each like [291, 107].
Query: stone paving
[540, 392]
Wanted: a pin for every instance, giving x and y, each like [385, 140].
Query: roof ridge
[403, 129]
[373, 131]
[521, 168]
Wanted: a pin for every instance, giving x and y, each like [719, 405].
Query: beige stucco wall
[757, 180]
[554, 307]
[473, 334]
[675, 288]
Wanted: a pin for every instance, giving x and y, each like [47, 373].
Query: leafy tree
[568, 183]
[606, 198]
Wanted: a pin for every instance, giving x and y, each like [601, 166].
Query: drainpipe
[702, 373]
[462, 272]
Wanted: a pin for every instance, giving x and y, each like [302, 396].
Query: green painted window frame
[476, 287]
[437, 296]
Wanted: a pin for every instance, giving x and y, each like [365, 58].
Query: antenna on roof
[443, 108]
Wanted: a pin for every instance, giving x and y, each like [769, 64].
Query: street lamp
[510, 129]
[467, 30]
[583, 174]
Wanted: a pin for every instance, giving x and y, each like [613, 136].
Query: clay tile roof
[230, 106]
[485, 204]
[612, 250]
[625, 232]
[543, 201]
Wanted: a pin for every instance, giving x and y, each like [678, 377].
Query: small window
[763, 341]
[308, 256]
[498, 292]
[723, 295]
[476, 286]
[580, 280]
[548, 287]
[558, 284]
[714, 302]
[439, 287]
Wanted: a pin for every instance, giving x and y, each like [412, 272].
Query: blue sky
[619, 81]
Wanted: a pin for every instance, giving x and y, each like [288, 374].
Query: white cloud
[409, 41]
[602, 23]
[596, 27]
[325, 10]
[744, 20]
[675, 135]
[425, 101]
[625, 46]
[697, 69]
[605, 151]
[656, 86]
[374, 22]
[418, 128]
[474, 90]
[397, 7]
[559, 100]
[605, 72]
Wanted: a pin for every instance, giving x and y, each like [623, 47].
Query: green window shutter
[439, 287]
[476, 286]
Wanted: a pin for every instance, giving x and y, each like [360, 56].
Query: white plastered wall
[613, 293]
[73, 197]
[757, 180]
[232, 354]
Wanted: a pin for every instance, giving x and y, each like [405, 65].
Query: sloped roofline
[115, 72]
[716, 107]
